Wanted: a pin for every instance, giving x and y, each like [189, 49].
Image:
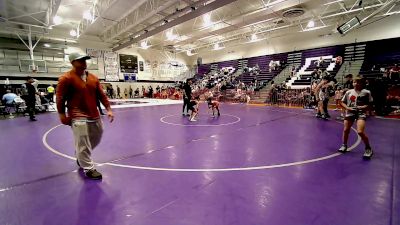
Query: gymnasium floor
[252, 166]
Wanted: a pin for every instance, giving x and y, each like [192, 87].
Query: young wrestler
[214, 106]
[356, 102]
[193, 106]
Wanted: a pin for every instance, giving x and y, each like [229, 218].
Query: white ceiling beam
[98, 9]
[143, 13]
[386, 4]
[330, 16]
[186, 17]
[28, 14]
[53, 9]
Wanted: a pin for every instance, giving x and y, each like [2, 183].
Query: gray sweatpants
[87, 135]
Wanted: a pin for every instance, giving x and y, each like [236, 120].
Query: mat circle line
[51, 149]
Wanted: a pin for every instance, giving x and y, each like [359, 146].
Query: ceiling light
[57, 20]
[207, 19]
[87, 15]
[73, 33]
[144, 45]
[310, 24]
[46, 45]
[170, 35]
[254, 37]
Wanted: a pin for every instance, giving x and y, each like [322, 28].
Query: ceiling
[180, 25]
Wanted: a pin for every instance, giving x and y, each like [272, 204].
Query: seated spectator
[319, 62]
[393, 97]
[8, 98]
[315, 74]
[394, 73]
[137, 93]
[339, 60]
[348, 84]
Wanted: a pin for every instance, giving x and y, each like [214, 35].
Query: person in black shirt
[348, 85]
[30, 99]
[187, 96]
[150, 92]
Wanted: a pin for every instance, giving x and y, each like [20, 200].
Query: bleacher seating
[380, 55]
[308, 64]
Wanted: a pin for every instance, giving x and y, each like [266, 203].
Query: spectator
[130, 92]
[150, 92]
[118, 92]
[348, 84]
[394, 73]
[30, 98]
[339, 60]
[50, 93]
[143, 91]
[125, 93]
[9, 98]
[137, 93]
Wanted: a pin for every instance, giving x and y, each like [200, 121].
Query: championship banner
[111, 70]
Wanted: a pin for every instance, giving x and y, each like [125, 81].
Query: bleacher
[308, 64]
[16, 65]
[265, 75]
[380, 55]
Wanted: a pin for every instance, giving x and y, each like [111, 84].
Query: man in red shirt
[79, 90]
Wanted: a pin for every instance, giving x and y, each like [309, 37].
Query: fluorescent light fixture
[73, 33]
[46, 45]
[254, 37]
[87, 15]
[170, 35]
[311, 24]
[218, 46]
[349, 25]
[312, 28]
[144, 44]
[57, 20]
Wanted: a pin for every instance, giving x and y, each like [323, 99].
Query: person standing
[118, 92]
[50, 93]
[79, 90]
[130, 92]
[356, 102]
[30, 98]
[187, 96]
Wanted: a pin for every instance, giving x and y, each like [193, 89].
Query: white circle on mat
[162, 119]
[44, 140]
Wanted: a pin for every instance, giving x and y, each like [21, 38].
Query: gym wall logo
[130, 77]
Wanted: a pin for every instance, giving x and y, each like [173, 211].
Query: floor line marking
[162, 119]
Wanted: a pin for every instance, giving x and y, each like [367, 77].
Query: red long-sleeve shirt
[80, 96]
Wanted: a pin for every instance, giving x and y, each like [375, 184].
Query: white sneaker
[368, 153]
[343, 148]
